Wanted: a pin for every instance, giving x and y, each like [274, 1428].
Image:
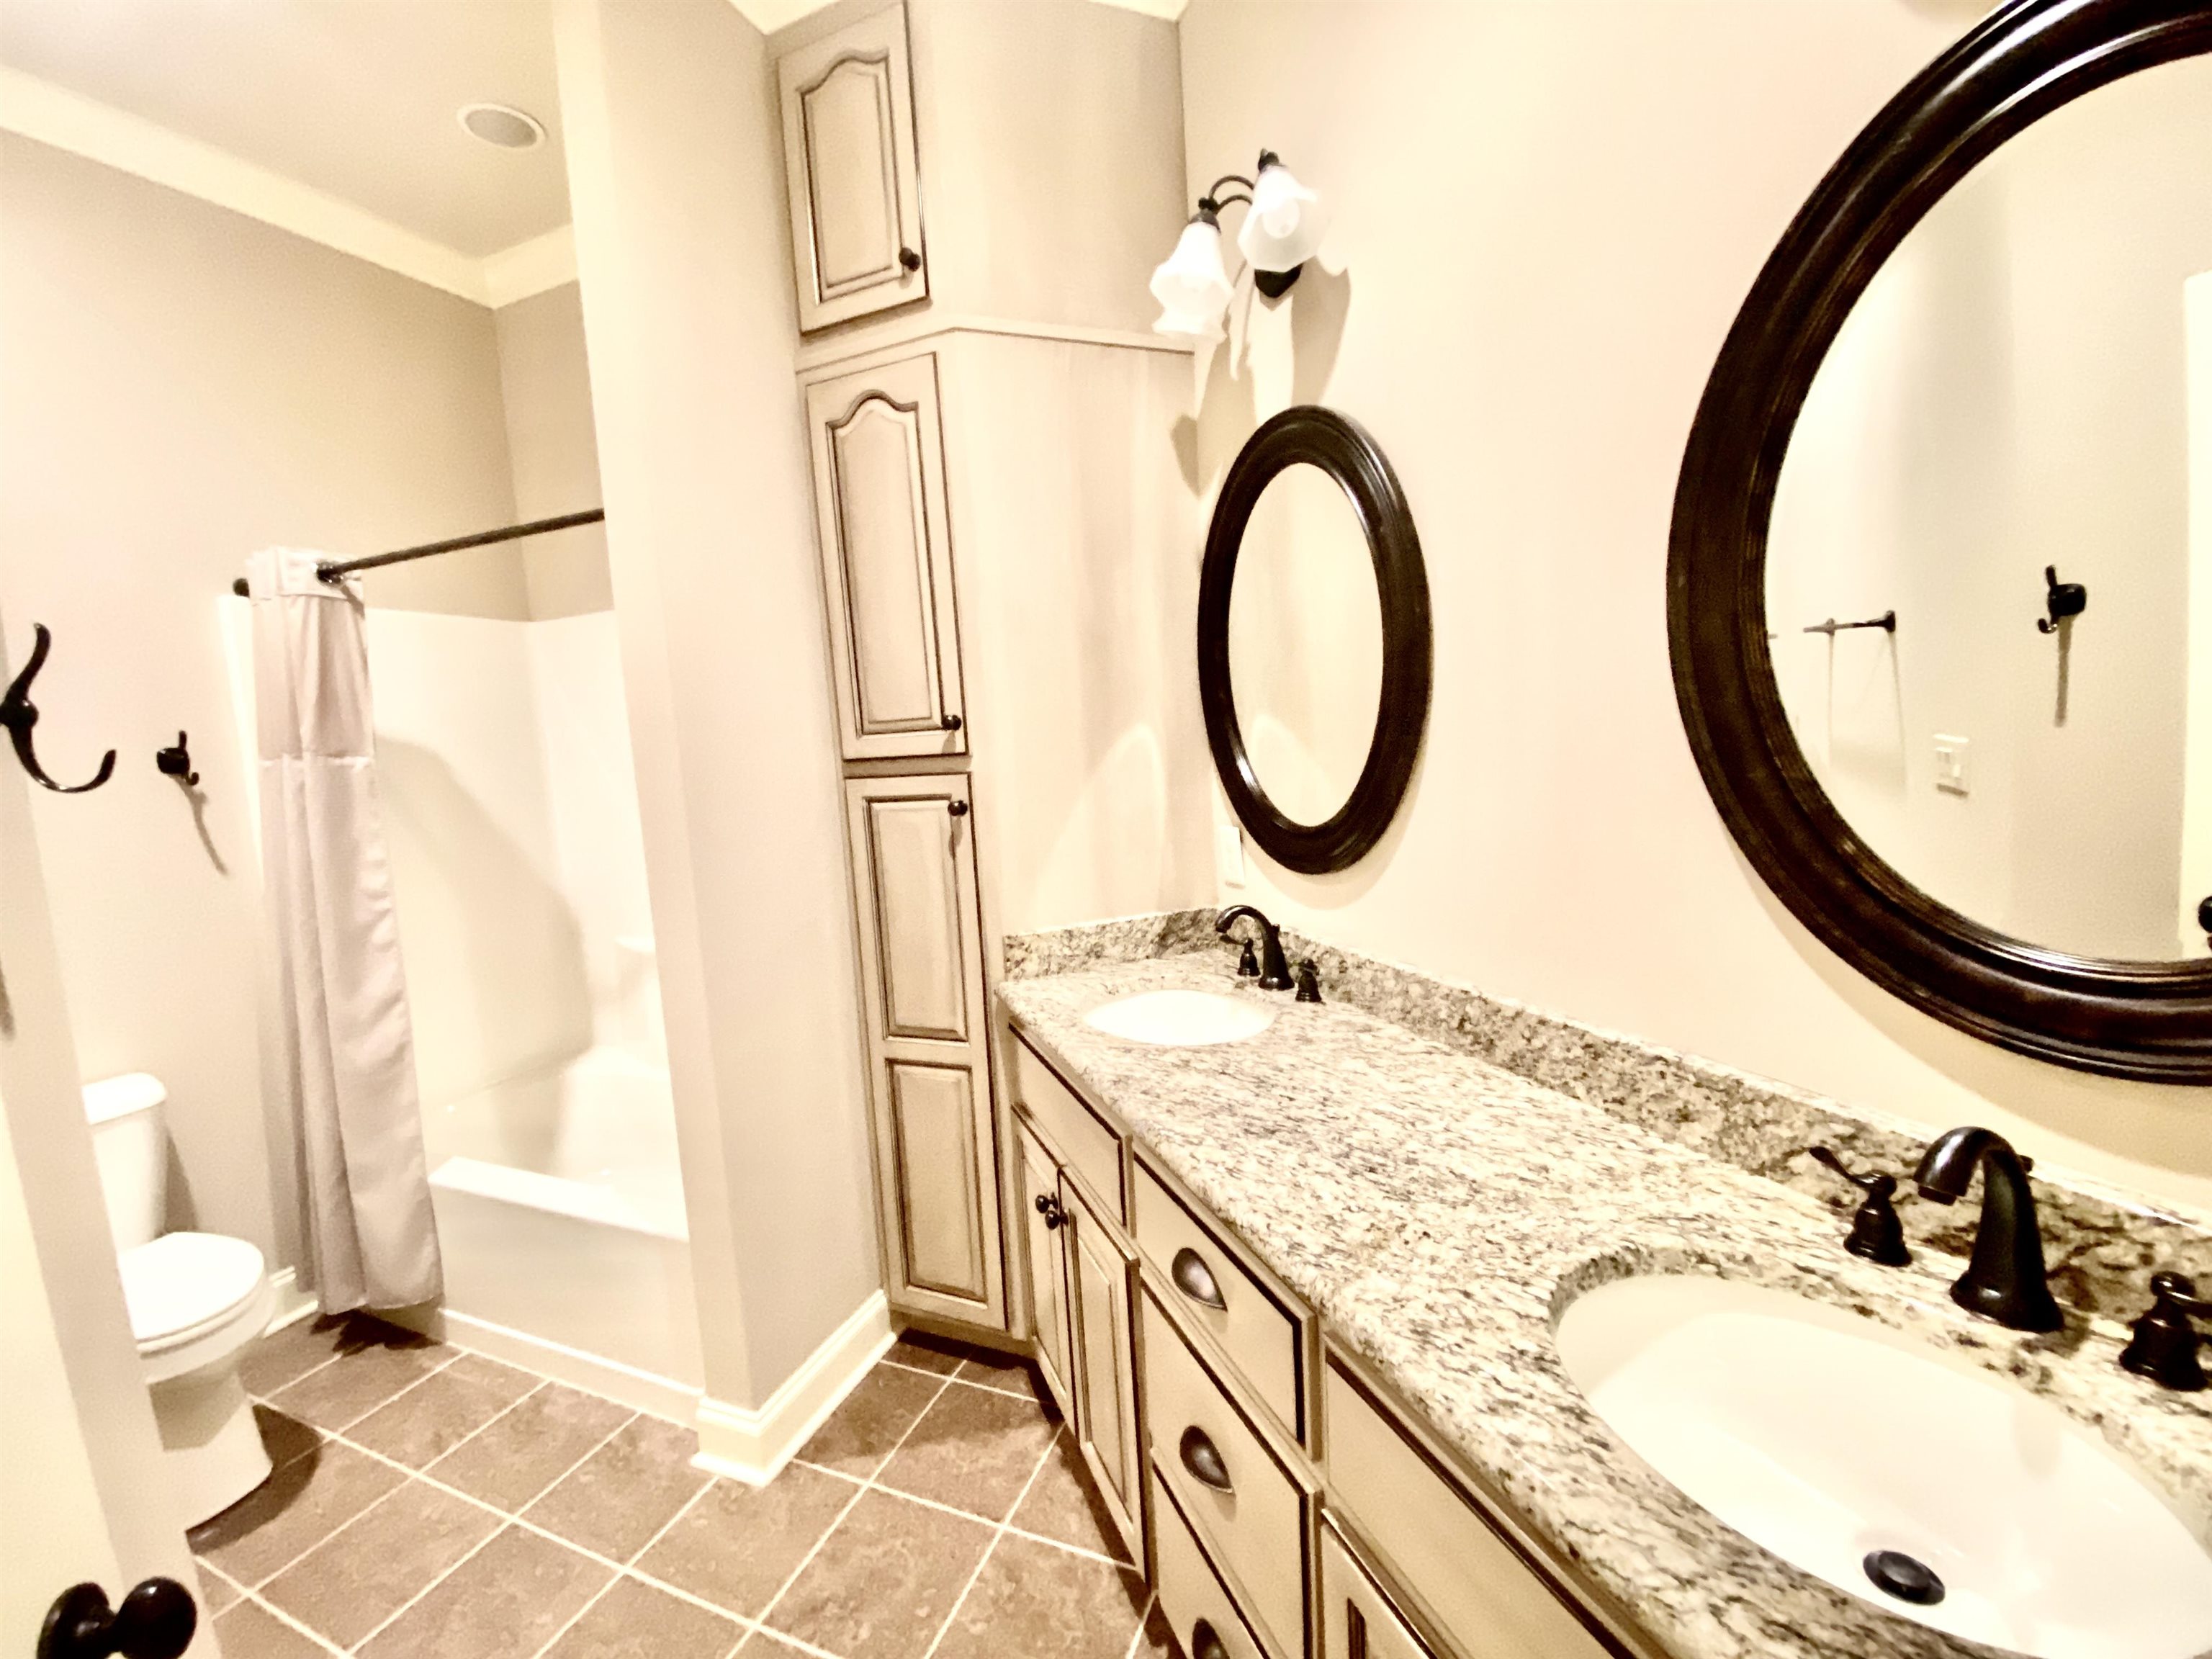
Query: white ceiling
[355, 97]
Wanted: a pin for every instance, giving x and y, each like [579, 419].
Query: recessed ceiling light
[502, 125]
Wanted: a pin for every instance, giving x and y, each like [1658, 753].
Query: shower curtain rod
[334, 572]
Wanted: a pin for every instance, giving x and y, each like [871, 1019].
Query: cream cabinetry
[878, 462]
[849, 171]
[913, 859]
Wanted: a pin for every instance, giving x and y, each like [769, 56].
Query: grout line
[1051, 1445]
[969, 1515]
[1022, 1393]
[284, 1617]
[865, 1487]
[508, 1517]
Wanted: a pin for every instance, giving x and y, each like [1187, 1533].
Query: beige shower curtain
[344, 1060]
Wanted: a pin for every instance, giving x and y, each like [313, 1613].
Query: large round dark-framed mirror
[1313, 647]
[1929, 558]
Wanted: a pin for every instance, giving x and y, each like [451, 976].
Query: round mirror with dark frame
[1313, 640]
[1940, 577]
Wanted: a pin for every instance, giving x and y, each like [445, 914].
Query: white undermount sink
[1181, 1019]
[1826, 1437]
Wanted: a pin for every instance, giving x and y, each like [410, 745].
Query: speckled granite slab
[2103, 1244]
[1438, 1212]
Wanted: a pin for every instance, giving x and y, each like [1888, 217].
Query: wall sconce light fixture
[1283, 227]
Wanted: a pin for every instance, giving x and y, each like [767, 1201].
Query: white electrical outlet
[1229, 854]
[1951, 776]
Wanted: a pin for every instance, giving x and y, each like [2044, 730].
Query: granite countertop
[1439, 1212]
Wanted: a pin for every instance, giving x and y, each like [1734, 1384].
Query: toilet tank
[130, 1141]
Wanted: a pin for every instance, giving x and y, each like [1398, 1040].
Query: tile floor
[432, 1502]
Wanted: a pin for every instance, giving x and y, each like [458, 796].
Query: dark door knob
[1204, 1643]
[1203, 1459]
[2204, 916]
[155, 1621]
[957, 808]
[1196, 1280]
[910, 259]
[950, 722]
[1049, 1208]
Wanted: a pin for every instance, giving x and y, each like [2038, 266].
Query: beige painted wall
[681, 241]
[546, 386]
[180, 385]
[1545, 219]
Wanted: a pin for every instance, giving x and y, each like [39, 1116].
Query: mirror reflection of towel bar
[1887, 621]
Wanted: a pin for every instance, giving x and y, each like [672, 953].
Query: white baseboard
[752, 1445]
[292, 1305]
[641, 1390]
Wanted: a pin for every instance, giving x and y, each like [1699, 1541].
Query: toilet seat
[183, 1287]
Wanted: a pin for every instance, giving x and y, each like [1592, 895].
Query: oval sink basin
[1829, 1439]
[1181, 1019]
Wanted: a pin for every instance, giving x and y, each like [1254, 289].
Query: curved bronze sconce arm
[19, 714]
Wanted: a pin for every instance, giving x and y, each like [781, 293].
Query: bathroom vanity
[1299, 1292]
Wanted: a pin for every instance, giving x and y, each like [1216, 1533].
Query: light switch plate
[1951, 776]
[1229, 854]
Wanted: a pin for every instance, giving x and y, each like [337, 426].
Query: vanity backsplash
[2102, 1243]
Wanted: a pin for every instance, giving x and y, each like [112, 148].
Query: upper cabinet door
[849, 168]
[887, 561]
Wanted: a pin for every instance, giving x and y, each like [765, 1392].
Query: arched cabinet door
[879, 457]
[848, 157]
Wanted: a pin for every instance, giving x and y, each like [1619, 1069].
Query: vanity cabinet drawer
[1087, 1142]
[1214, 1290]
[1242, 1499]
[1206, 1622]
[1358, 1619]
[1478, 1590]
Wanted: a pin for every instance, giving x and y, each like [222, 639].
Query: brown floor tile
[637, 1621]
[1007, 1372]
[520, 1455]
[871, 1420]
[737, 1545]
[626, 1491]
[284, 1438]
[373, 1567]
[1062, 1504]
[216, 1592]
[290, 1354]
[248, 1631]
[374, 1363]
[1045, 1603]
[292, 1511]
[920, 1352]
[882, 1583]
[766, 1644]
[422, 1425]
[973, 1450]
[505, 1601]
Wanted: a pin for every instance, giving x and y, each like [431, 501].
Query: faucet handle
[1248, 960]
[1876, 1234]
[2164, 1343]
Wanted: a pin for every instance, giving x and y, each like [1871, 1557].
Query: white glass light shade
[1284, 227]
[1192, 284]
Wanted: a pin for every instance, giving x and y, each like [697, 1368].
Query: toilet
[197, 1303]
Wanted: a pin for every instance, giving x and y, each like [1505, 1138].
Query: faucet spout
[2006, 1279]
[1275, 967]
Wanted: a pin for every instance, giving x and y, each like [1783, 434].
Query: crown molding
[100, 132]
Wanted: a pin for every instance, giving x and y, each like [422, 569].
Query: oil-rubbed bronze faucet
[2006, 1279]
[1274, 969]
[2163, 1344]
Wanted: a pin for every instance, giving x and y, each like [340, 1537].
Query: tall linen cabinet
[1009, 543]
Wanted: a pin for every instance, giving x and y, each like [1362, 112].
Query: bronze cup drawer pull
[1196, 1280]
[1203, 1459]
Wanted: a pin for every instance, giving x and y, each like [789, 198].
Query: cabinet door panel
[879, 464]
[940, 1186]
[1106, 1408]
[1048, 1272]
[921, 982]
[921, 935]
[849, 172]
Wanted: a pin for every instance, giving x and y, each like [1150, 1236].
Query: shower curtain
[344, 1047]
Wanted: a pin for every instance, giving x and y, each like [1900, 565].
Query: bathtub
[560, 1216]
